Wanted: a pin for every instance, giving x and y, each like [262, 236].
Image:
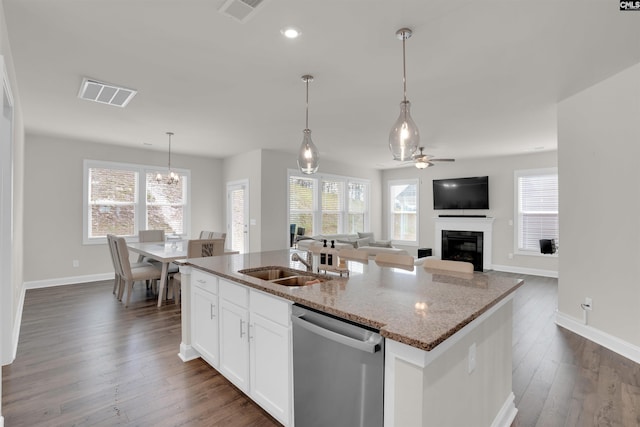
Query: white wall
[599, 151]
[501, 202]
[53, 202]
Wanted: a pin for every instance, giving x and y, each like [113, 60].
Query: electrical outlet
[76, 263]
[472, 357]
[510, 256]
[588, 304]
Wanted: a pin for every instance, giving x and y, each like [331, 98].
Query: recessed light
[291, 32]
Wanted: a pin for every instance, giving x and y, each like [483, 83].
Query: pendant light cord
[404, 68]
[307, 116]
[169, 133]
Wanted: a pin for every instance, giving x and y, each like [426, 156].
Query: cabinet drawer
[237, 294]
[270, 307]
[206, 281]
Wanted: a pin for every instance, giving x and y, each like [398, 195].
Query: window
[113, 203]
[302, 204]
[328, 204]
[537, 208]
[357, 208]
[403, 211]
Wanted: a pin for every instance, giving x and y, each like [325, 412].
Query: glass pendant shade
[308, 159]
[404, 137]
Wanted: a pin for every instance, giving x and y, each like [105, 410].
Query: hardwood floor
[83, 359]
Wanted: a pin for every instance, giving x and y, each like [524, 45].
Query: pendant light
[172, 177]
[308, 159]
[404, 136]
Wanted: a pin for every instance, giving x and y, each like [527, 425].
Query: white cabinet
[270, 367]
[253, 340]
[234, 336]
[234, 344]
[204, 316]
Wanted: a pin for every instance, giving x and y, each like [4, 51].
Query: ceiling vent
[240, 10]
[105, 93]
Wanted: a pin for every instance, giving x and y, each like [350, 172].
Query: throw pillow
[363, 242]
[365, 235]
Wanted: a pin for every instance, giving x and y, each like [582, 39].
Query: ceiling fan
[423, 161]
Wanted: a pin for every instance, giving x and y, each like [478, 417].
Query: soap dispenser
[323, 255]
[332, 255]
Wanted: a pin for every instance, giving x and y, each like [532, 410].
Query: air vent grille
[105, 93]
[240, 10]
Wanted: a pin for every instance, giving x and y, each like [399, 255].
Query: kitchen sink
[282, 275]
[298, 281]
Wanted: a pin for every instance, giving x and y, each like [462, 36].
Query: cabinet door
[234, 344]
[270, 367]
[205, 325]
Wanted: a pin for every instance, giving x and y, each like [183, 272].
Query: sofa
[360, 241]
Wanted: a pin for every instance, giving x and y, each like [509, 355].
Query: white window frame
[517, 223]
[317, 202]
[141, 193]
[390, 212]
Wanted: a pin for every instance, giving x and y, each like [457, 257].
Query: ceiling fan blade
[442, 160]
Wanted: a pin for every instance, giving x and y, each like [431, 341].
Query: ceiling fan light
[422, 165]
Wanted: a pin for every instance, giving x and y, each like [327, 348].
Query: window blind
[537, 210]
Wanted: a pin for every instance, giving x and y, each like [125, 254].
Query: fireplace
[483, 225]
[463, 246]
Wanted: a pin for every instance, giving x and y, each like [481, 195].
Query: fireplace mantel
[485, 225]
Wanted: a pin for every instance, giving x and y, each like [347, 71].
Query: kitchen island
[448, 335]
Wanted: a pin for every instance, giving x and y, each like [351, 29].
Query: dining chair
[196, 249]
[130, 275]
[353, 254]
[149, 236]
[397, 259]
[448, 265]
[113, 252]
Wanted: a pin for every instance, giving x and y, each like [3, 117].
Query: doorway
[238, 216]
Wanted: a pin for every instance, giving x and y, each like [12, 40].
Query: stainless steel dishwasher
[338, 372]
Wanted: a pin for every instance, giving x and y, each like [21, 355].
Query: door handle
[241, 331]
[212, 311]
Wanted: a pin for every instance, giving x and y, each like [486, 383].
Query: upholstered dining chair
[396, 259]
[196, 249]
[149, 236]
[129, 275]
[353, 254]
[113, 252]
[448, 265]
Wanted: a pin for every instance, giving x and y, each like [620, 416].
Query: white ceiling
[483, 76]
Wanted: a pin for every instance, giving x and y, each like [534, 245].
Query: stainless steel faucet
[307, 263]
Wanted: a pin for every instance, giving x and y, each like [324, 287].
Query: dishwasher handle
[371, 346]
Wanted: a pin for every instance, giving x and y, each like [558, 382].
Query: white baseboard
[1, 421]
[507, 413]
[525, 270]
[187, 353]
[615, 344]
[36, 284]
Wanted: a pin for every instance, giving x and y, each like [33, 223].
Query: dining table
[163, 252]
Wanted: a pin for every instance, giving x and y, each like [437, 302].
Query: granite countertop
[416, 306]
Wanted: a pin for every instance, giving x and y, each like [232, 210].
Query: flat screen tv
[461, 193]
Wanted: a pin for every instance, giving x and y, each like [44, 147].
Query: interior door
[238, 216]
